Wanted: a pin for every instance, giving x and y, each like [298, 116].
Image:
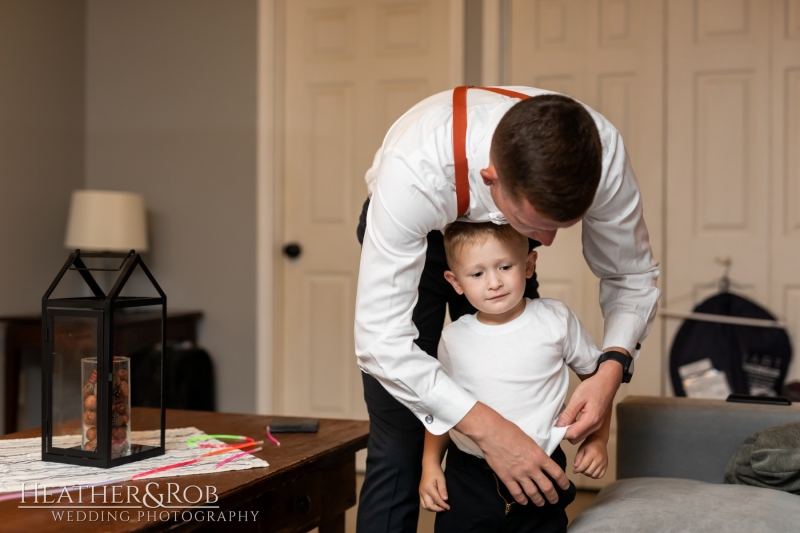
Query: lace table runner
[21, 462]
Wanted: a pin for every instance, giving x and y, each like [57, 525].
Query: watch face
[630, 366]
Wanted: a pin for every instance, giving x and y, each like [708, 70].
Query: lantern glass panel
[73, 407]
[137, 338]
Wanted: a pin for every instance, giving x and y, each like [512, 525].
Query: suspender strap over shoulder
[460, 139]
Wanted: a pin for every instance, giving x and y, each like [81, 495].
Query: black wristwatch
[625, 360]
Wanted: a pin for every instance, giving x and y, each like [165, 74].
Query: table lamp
[108, 221]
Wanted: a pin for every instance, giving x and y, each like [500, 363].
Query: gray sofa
[671, 458]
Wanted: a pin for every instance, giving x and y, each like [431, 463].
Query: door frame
[270, 190]
[269, 198]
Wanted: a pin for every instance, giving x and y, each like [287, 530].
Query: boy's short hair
[547, 150]
[463, 234]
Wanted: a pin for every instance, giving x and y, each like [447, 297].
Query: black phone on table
[768, 400]
[294, 425]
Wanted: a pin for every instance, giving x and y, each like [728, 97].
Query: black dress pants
[480, 503]
[389, 500]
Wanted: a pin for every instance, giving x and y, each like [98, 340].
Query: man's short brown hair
[465, 234]
[547, 150]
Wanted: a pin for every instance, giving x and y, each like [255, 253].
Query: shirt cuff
[443, 407]
[623, 330]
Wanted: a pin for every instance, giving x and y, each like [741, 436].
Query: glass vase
[120, 405]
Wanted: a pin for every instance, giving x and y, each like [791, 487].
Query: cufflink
[429, 419]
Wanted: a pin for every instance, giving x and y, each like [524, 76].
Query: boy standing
[512, 356]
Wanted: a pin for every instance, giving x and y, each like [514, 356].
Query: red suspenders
[460, 139]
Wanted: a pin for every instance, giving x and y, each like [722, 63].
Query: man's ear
[449, 276]
[489, 175]
[530, 263]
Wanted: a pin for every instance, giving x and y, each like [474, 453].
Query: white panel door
[785, 201]
[609, 55]
[718, 151]
[352, 67]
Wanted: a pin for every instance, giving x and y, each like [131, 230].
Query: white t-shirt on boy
[519, 369]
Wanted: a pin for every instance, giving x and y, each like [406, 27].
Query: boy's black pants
[478, 500]
[389, 500]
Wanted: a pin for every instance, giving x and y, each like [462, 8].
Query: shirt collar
[482, 206]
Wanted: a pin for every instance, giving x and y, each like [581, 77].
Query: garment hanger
[723, 285]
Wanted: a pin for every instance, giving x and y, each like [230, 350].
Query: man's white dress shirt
[412, 189]
[519, 369]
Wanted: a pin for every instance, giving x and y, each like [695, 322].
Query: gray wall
[41, 151]
[157, 97]
[41, 142]
[171, 113]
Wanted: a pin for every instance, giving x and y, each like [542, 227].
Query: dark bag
[755, 359]
[189, 380]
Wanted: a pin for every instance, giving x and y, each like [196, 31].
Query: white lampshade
[106, 221]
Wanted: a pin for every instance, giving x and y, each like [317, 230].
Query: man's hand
[515, 457]
[592, 399]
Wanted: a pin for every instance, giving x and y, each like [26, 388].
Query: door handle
[292, 250]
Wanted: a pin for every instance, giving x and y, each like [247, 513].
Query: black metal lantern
[88, 348]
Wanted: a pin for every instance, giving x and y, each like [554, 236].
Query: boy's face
[492, 274]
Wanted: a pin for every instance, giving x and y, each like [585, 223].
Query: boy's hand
[432, 489]
[592, 458]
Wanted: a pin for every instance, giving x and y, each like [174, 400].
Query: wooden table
[25, 332]
[309, 483]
